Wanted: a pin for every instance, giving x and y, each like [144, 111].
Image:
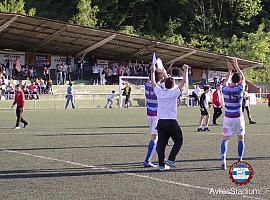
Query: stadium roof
[35, 34]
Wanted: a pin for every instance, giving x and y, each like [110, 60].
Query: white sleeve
[157, 90]
[177, 92]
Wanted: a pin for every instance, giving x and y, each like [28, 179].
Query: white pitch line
[116, 171]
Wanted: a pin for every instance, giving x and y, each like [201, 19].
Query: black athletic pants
[217, 113]
[168, 128]
[19, 112]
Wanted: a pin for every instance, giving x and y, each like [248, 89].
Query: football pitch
[98, 154]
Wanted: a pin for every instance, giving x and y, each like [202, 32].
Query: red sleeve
[16, 99]
[23, 99]
[215, 99]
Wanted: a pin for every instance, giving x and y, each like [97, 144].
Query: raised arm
[153, 78]
[185, 77]
[164, 72]
[235, 61]
[229, 73]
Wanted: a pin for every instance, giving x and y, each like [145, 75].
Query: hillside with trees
[235, 27]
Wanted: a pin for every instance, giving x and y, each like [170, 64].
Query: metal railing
[82, 101]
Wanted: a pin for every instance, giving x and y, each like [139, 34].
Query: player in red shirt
[20, 101]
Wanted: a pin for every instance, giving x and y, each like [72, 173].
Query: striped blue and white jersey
[233, 100]
[151, 100]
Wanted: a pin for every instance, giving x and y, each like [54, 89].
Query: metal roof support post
[171, 62]
[51, 37]
[96, 45]
[8, 23]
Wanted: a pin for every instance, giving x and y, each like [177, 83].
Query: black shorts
[204, 112]
[269, 104]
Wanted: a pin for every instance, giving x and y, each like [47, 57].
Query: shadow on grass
[124, 126]
[86, 134]
[131, 169]
[64, 148]
[188, 161]
[66, 172]
[142, 126]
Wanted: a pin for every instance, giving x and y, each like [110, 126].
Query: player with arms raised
[167, 118]
[234, 122]
[152, 106]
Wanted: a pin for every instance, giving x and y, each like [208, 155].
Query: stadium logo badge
[241, 173]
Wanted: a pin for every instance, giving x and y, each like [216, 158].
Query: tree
[254, 46]
[16, 6]
[86, 15]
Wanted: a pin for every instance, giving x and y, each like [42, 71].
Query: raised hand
[229, 64]
[185, 67]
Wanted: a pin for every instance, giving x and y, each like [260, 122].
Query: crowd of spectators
[109, 75]
[37, 86]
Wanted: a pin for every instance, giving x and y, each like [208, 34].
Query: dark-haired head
[169, 83]
[70, 83]
[236, 78]
[158, 76]
[206, 88]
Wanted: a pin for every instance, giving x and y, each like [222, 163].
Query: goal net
[136, 83]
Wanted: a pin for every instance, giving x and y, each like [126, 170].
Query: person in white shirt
[102, 75]
[95, 71]
[167, 118]
[110, 99]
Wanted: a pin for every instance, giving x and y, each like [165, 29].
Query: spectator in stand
[132, 71]
[32, 73]
[17, 68]
[204, 79]
[80, 68]
[33, 90]
[115, 75]
[64, 74]
[26, 73]
[120, 70]
[8, 67]
[95, 71]
[140, 70]
[10, 91]
[59, 74]
[42, 86]
[69, 71]
[26, 92]
[102, 76]
[145, 70]
[68, 60]
[127, 71]
[46, 72]
[108, 75]
[217, 104]
[49, 89]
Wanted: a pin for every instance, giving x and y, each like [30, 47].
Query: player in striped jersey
[234, 123]
[152, 105]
